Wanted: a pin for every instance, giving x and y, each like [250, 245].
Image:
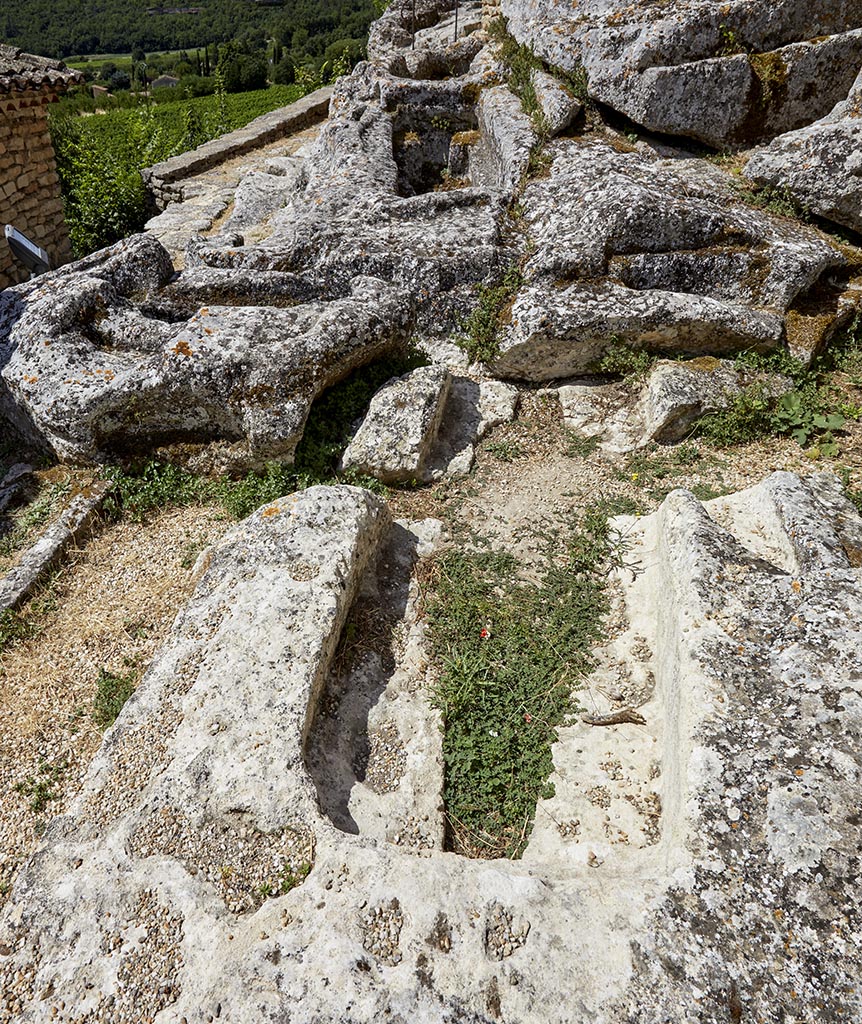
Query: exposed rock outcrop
[706, 858]
[653, 253]
[820, 165]
[725, 74]
[664, 408]
[407, 181]
[89, 373]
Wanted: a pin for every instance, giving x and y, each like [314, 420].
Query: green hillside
[69, 28]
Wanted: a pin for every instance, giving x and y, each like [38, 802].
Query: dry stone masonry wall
[30, 197]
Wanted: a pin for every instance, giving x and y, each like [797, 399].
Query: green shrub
[807, 412]
[99, 158]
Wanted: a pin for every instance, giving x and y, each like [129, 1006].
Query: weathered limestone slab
[91, 373]
[664, 407]
[722, 73]
[564, 333]
[70, 527]
[395, 437]
[820, 165]
[656, 253]
[472, 410]
[558, 105]
[697, 860]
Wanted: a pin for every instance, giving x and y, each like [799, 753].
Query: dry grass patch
[114, 604]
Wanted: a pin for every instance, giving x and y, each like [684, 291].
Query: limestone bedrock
[90, 375]
[414, 195]
[820, 165]
[697, 867]
[725, 74]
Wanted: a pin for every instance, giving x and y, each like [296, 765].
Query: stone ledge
[263, 130]
[74, 523]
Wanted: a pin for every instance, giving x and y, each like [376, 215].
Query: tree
[119, 80]
[284, 72]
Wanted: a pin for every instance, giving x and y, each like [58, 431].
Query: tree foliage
[67, 28]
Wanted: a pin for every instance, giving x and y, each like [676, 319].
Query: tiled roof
[26, 71]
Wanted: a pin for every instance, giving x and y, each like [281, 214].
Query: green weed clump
[579, 446]
[112, 692]
[41, 789]
[521, 61]
[482, 327]
[626, 361]
[511, 653]
[777, 199]
[657, 470]
[810, 412]
[285, 883]
[34, 515]
[14, 627]
[20, 624]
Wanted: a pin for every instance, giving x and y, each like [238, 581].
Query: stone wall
[29, 187]
[164, 180]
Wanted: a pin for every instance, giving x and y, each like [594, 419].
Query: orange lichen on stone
[271, 510]
[182, 348]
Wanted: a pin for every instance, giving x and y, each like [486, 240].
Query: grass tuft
[112, 692]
